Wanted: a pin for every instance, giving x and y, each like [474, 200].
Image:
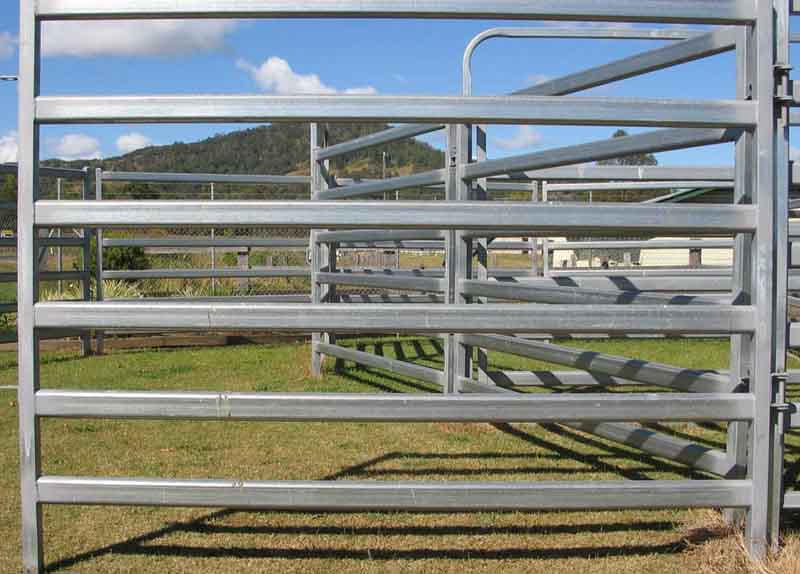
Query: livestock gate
[461, 305]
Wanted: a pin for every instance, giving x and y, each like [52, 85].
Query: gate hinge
[782, 407]
[781, 377]
[782, 69]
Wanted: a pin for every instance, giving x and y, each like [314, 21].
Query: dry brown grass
[717, 547]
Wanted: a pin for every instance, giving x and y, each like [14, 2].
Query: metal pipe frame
[646, 372]
[628, 66]
[669, 11]
[709, 122]
[205, 178]
[253, 273]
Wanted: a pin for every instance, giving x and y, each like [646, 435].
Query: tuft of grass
[717, 547]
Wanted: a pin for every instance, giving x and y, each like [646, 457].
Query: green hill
[276, 149]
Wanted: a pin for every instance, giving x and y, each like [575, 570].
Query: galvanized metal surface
[344, 496]
[749, 121]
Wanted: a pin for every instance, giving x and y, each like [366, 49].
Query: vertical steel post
[59, 235]
[213, 252]
[536, 265]
[99, 295]
[543, 194]
[782, 184]
[319, 253]
[27, 289]
[759, 536]
[480, 193]
[741, 345]
[458, 259]
[86, 256]
[450, 264]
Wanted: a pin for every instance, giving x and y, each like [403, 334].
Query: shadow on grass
[147, 544]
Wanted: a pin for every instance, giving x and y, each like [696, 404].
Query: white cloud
[77, 146]
[8, 44]
[133, 141]
[794, 154]
[134, 37]
[525, 137]
[276, 76]
[8, 147]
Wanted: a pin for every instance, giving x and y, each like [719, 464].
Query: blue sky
[286, 56]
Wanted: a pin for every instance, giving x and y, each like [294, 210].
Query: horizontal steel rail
[704, 11]
[202, 178]
[628, 173]
[191, 243]
[791, 500]
[511, 318]
[575, 296]
[254, 273]
[279, 298]
[387, 407]
[47, 171]
[696, 220]
[559, 110]
[648, 142]
[384, 281]
[709, 44]
[11, 277]
[406, 245]
[386, 298]
[379, 235]
[644, 244]
[554, 379]
[636, 185]
[383, 185]
[395, 366]
[372, 140]
[651, 442]
[659, 444]
[680, 283]
[647, 372]
[667, 272]
[351, 496]
[56, 241]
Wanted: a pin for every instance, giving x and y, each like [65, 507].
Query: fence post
[28, 290]
[319, 252]
[760, 533]
[483, 261]
[99, 295]
[86, 256]
[783, 182]
[458, 255]
[59, 235]
[213, 252]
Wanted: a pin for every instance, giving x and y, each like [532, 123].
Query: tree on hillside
[8, 189]
[633, 159]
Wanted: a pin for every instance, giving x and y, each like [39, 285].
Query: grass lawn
[133, 540]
